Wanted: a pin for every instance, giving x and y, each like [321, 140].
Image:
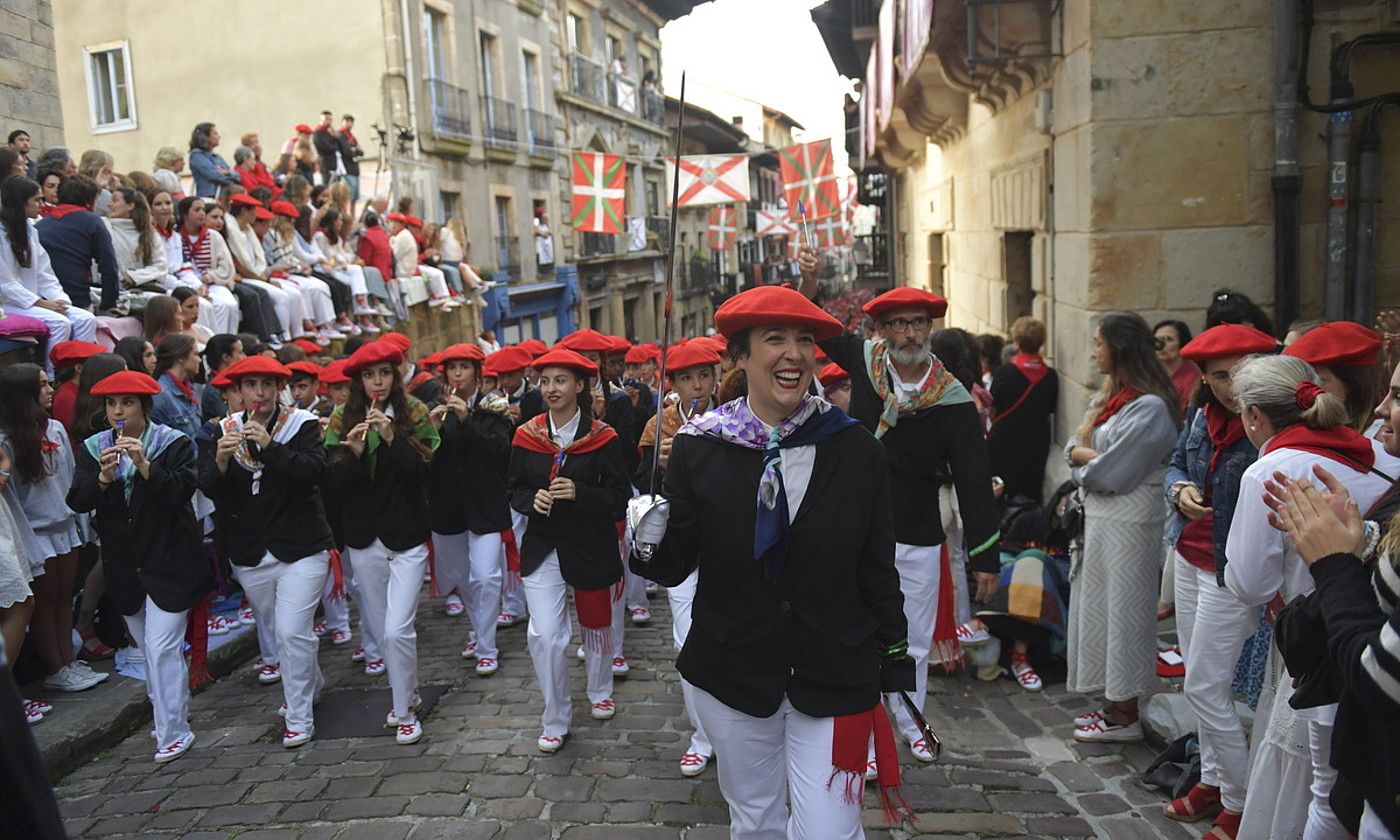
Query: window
[578, 34]
[507, 245]
[111, 104]
[489, 76]
[435, 34]
[448, 202]
[530, 76]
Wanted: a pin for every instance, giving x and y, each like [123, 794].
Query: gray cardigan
[1133, 445]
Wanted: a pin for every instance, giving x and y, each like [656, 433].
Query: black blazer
[531, 405]
[286, 517]
[582, 530]
[467, 481]
[152, 545]
[814, 636]
[391, 507]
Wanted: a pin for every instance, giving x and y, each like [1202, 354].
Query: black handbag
[1301, 635]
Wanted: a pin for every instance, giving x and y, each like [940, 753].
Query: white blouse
[23, 286]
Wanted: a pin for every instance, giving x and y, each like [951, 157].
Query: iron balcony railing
[508, 254]
[597, 244]
[586, 77]
[539, 131]
[653, 106]
[450, 107]
[659, 227]
[498, 117]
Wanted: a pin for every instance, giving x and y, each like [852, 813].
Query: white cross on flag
[721, 230]
[709, 179]
[598, 192]
[830, 232]
[772, 223]
[809, 180]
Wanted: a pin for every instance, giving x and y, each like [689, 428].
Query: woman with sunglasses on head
[382, 442]
[568, 477]
[468, 496]
[690, 370]
[138, 479]
[262, 470]
[782, 504]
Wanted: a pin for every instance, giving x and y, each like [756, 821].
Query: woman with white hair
[168, 165]
[1297, 426]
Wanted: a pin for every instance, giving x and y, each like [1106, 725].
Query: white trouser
[918, 567]
[390, 582]
[75, 324]
[354, 277]
[435, 280]
[287, 302]
[368, 638]
[162, 639]
[471, 564]
[1322, 822]
[635, 592]
[266, 628]
[1213, 625]
[681, 598]
[337, 610]
[290, 592]
[548, 637]
[514, 602]
[1371, 827]
[315, 297]
[764, 761]
[219, 312]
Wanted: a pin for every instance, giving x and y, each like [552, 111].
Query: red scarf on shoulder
[1342, 444]
[1032, 366]
[1225, 429]
[1116, 402]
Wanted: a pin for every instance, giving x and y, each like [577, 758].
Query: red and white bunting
[709, 179]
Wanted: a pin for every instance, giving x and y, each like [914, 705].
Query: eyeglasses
[899, 325]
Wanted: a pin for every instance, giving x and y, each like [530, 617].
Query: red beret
[906, 297]
[220, 382]
[67, 353]
[639, 355]
[619, 345]
[373, 353]
[285, 208]
[311, 348]
[764, 306]
[244, 200]
[587, 341]
[126, 382]
[565, 358]
[1337, 344]
[305, 368]
[831, 374]
[488, 368]
[413, 221]
[398, 340]
[689, 355]
[334, 373]
[821, 357]
[534, 346]
[393, 217]
[460, 353]
[509, 359]
[1226, 340]
[261, 213]
[259, 366]
[302, 128]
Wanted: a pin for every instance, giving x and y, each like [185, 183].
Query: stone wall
[29, 73]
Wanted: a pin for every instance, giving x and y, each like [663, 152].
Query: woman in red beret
[568, 477]
[836, 385]
[262, 469]
[467, 497]
[783, 506]
[1202, 486]
[1346, 357]
[690, 370]
[382, 442]
[138, 479]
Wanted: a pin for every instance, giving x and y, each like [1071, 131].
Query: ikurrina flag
[809, 179]
[598, 193]
[720, 228]
[830, 232]
[772, 223]
[709, 179]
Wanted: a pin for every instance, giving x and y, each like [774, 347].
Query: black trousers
[259, 315]
[341, 298]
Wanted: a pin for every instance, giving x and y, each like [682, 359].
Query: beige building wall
[254, 65]
[28, 81]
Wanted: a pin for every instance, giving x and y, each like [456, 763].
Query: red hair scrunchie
[1307, 393]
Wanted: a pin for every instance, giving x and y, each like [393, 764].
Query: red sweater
[259, 177]
[65, 402]
[375, 251]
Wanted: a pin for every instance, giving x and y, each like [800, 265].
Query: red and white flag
[809, 180]
[721, 228]
[709, 179]
[830, 232]
[598, 193]
[772, 223]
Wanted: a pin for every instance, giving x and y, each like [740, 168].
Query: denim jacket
[1189, 461]
[212, 174]
[171, 408]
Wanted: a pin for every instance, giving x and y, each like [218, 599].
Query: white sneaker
[454, 606]
[604, 709]
[921, 750]
[82, 667]
[292, 738]
[693, 764]
[641, 616]
[486, 666]
[269, 674]
[620, 668]
[508, 619]
[1088, 718]
[409, 732]
[550, 743]
[69, 679]
[340, 637]
[1105, 731]
[469, 650]
[175, 750]
[872, 770]
[375, 667]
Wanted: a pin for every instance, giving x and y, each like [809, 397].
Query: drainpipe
[1334, 291]
[1368, 196]
[1286, 181]
[410, 80]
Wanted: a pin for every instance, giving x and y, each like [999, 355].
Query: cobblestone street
[1008, 766]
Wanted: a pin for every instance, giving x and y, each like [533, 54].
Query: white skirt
[53, 543]
[15, 573]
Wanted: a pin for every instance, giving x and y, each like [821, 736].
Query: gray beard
[912, 356]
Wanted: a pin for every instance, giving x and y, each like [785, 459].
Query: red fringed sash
[337, 571]
[197, 635]
[513, 581]
[946, 648]
[850, 748]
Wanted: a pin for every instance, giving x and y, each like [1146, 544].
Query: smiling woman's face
[778, 368]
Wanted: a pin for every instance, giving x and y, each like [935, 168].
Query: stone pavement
[1009, 767]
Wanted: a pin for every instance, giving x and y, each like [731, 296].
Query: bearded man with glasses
[929, 424]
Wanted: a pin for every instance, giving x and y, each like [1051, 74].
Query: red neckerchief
[348, 135]
[46, 446]
[1031, 366]
[167, 231]
[192, 242]
[1115, 403]
[1225, 429]
[533, 436]
[185, 388]
[1342, 444]
[61, 210]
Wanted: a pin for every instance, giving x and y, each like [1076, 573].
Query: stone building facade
[1081, 157]
[29, 73]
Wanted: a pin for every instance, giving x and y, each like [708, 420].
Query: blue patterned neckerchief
[154, 439]
[734, 422]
